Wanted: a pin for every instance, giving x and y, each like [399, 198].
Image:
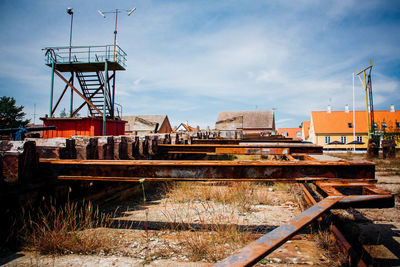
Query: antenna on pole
[132, 10]
[101, 13]
[116, 11]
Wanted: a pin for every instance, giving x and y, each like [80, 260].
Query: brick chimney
[346, 108]
[392, 108]
[329, 109]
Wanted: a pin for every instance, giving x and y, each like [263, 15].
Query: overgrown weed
[241, 194]
[66, 229]
[325, 241]
[212, 238]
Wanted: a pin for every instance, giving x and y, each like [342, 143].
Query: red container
[89, 126]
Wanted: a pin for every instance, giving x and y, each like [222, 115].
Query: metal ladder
[92, 84]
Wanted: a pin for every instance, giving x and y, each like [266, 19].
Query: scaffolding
[94, 68]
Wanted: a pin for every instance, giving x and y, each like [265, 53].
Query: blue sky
[193, 59]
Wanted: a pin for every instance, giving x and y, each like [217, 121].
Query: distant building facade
[294, 133]
[334, 129]
[184, 128]
[144, 124]
[250, 122]
[305, 130]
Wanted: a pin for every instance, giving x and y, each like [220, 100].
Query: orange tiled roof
[306, 129]
[291, 132]
[338, 121]
[187, 127]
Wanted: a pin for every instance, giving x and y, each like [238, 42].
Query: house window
[284, 134]
[375, 126]
[384, 126]
[397, 125]
[327, 139]
[350, 125]
[343, 139]
[359, 139]
[298, 134]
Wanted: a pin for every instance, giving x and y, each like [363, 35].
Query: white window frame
[343, 139]
[327, 139]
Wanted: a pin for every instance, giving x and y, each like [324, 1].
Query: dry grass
[217, 236]
[213, 245]
[387, 166]
[241, 194]
[66, 229]
[214, 236]
[323, 239]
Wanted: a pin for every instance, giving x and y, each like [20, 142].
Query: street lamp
[116, 20]
[70, 12]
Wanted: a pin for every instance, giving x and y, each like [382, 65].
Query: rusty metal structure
[327, 184]
[244, 148]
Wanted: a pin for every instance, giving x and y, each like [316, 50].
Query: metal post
[70, 34]
[53, 65]
[113, 97]
[105, 99]
[71, 109]
[354, 120]
[366, 105]
[115, 32]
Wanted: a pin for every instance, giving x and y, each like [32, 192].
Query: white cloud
[194, 59]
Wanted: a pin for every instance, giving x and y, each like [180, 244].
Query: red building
[88, 126]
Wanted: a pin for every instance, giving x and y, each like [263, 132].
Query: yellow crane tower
[369, 103]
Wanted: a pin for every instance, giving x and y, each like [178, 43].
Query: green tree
[63, 113]
[11, 116]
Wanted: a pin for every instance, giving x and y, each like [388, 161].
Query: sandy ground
[301, 252]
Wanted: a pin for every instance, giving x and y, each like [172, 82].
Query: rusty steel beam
[358, 194]
[237, 141]
[242, 148]
[148, 179]
[257, 250]
[343, 244]
[207, 169]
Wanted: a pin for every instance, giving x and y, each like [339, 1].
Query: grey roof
[143, 122]
[258, 119]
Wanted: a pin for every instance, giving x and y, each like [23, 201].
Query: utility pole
[34, 114]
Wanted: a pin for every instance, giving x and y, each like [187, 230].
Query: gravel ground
[172, 226]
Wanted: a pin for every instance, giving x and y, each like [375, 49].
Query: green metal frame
[78, 60]
[85, 54]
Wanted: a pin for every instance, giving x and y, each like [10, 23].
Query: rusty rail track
[352, 256]
[206, 170]
[276, 148]
[257, 250]
[342, 184]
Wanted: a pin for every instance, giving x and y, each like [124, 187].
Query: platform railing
[85, 54]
